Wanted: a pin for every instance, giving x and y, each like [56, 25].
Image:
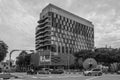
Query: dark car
[57, 71]
[0, 70]
[32, 72]
[118, 72]
[43, 72]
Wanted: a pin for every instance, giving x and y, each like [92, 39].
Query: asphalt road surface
[24, 76]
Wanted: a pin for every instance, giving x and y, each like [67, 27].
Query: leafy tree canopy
[23, 59]
[104, 56]
[3, 50]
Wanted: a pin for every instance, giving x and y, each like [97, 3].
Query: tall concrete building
[61, 32]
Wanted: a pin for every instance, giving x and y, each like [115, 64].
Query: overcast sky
[18, 19]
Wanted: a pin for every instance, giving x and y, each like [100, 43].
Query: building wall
[62, 32]
[48, 58]
[35, 59]
[62, 12]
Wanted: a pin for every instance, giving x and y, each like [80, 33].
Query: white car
[93, 72]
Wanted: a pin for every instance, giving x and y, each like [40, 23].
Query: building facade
[62, 32]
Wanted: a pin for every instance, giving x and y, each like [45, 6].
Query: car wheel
[96, 74]
[89, 74]
[84, 74]
[100, 74]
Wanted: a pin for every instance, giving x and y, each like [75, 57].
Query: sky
[18, 20]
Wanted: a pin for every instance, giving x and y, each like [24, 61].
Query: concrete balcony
[42, 45]
[42, 20]
[42, 41]
[43, 35]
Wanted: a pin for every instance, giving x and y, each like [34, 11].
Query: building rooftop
[53, 6]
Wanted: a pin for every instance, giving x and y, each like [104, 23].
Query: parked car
[31, 72]
[57, 71]
[118, 72]
[93, 72]
[0, 70]
[43, 72]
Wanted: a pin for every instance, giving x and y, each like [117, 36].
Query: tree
[108, 56]
[28, 59]
[81, 56]
[84, 54]
[20, 62]
[23, 60]
[105, 56]
[3, 50]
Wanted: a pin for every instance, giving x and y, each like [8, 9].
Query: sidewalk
[24, 75]
[7, 76]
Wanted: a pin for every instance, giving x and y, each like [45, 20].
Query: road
[24, 76]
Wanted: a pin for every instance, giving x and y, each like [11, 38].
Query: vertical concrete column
[57, 49]
[61, 49]
[64, 49]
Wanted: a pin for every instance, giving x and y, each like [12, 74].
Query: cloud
[106, 23]
[17, 25]
[18, 19]
[69, 3]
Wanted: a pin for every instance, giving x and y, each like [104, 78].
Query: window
[65, 41]
[47, 56]
[58, 30]
[62, 40]
[53, 48]
[58, 39]
[52, 42]
[54, 15]
[62, 31]
[70, 51]
[58, 16]
[6, 67]
[56, 20]
[62, 49]
[96, 70]
[66, 49]
[56, 34]
[65, 27]
[56, 43]
[68, 20]
[63, 22]
[65, 19]
[58, 49]
[60, 35]
[62, 18]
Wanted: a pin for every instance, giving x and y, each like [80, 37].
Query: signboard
[44, 59]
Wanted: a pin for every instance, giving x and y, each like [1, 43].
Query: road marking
[65, 76]
[92, 78]
[20, 76]
[34, 77]
[13, 79]
[45, 77]
[113, 75]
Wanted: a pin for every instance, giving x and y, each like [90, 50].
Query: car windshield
[96, 69]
